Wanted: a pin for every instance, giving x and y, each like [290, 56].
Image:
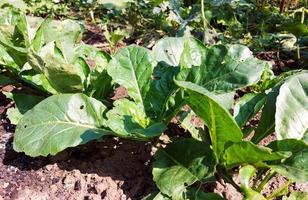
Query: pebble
[49, 167]
[69, 182]
[5, 185]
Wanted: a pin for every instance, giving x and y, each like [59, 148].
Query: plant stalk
[231, 181]
[278, 191]
[263, 183]
[203, 19]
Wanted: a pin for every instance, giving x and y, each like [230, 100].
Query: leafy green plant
[177, 71]
[228, 150]
[48, 56]
[114, 37]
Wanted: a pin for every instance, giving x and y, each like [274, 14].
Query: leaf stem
[278, 191]
[228, 179]
[203, 19]
[263, 183]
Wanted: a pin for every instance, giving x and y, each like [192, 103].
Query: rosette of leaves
[286, 156]
[152, 96]
[175, 173]
[233, 67]
[48, 56]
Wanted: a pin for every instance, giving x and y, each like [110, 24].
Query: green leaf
[222, 126]
[64, 33]
[296, 196]
[294, 167]
[192, 53]
[5, 80]
[7, 61]
[292, 109]
[292, 145]
[225, 68]
[181, 164]
[163, 98]
[63, 75]
[14, 115]
[266, 124]
[246, 173]
[247, 107]
[248, 153]
[23, 103]
[128, 120]
[38, 80]
[132, 67]
[168, 50]
[100, 84]
[59, 122]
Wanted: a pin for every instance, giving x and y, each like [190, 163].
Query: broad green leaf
[128, 120]
[294, 167]
[226, 100]
[15, 35]
[292, 109]
[266, 124]
[168, 50]
[246, 173]
[192, 53]
[63, 75]
[100, 84]
[225, 68]
[59, 122]
[222, 126]
[14, 115]
[23, 103]
[7, 61]
[247, 107]
[37, 80]
[163, 99]
[155, 98]
[296, 196]
[248, 153]
[5, 80]
[292, 145]
[132, 67]
[64, 33]
[181, 164]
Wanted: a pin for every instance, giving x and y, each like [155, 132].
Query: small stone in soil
[77, 186]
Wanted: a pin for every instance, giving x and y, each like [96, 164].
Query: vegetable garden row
[71, 105]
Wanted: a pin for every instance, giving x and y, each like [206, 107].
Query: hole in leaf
[81, 107]
[25, 126]
[185, 184]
